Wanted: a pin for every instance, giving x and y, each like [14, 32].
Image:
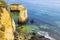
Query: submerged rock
[32, 21]
[38, 38]
[7, 25]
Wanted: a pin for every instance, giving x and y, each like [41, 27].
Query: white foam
[46, 34]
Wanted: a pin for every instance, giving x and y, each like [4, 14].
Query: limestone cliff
[23, 16]
[16, 6]
[7, 25]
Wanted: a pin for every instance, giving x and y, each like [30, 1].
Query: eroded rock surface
[7, 25]
[23, 16]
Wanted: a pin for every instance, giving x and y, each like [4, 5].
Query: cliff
[23, 16]
[7, 25]
[16, 7]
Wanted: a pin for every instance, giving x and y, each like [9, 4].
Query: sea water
[45, 15]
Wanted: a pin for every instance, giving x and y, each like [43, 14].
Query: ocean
[46, 15]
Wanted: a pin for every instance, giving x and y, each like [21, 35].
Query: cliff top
[3, 4]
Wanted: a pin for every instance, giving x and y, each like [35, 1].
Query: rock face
[23, 16]
[7, 25]
[14, 7]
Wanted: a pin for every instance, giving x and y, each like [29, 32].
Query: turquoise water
[46, 15]
[15, 16]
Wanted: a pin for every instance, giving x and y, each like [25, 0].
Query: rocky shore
[34, 37]
[31, 37]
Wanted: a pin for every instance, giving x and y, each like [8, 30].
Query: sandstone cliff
[23, 16]
[16, 7]
[7, 25]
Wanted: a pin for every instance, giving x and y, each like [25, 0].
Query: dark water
[46, 18]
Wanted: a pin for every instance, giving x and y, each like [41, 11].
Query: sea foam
[45, 34]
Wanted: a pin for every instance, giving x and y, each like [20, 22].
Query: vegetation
[3, 3]
[1, 0]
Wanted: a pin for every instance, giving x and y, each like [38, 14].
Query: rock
[23, 15]
[32, 21]
[35, 37]
[3, 4]
[38, 38]
[16, 7]
[7, 24]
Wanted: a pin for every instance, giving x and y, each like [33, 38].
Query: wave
[45, 34]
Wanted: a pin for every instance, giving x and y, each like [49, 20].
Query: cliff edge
[7, 25]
